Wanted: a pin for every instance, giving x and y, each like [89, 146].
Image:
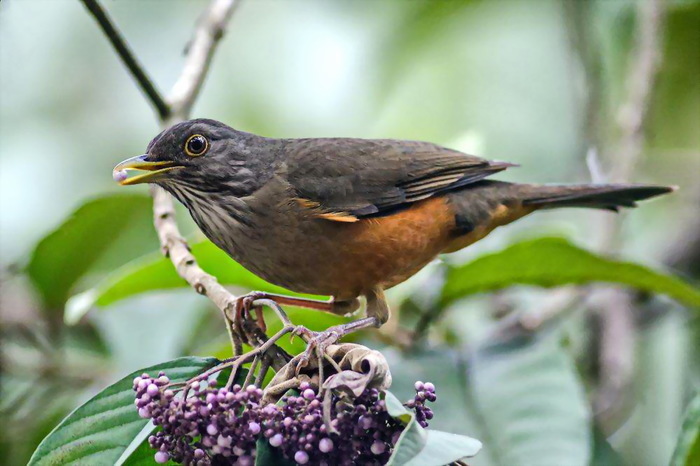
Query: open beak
[154, 170]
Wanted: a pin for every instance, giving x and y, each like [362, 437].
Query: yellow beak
[154, 170]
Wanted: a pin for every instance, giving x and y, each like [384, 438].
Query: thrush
[344, 217]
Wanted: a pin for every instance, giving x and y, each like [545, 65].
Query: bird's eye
[196, 145]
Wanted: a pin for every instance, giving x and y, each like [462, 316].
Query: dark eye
[196, 145]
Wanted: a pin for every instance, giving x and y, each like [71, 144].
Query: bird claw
[317, 342]
[244, 306]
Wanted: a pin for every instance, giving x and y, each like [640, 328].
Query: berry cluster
[424, 392]
[221, 426]
[212, 426]
[365, 433]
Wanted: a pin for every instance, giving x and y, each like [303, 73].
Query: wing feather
[348, 179]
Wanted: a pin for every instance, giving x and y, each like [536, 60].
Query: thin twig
[127, 56]
[207, 35]
[264, 366]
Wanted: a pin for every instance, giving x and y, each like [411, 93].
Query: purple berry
[276, 440]
[301, 457]
[325, 445]
[162, 457]
[378, 447]
[223, 441]
[365, 422]
[152, 390]
[119, 176]
[254, 428]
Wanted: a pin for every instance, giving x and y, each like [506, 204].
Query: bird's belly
[318, 256]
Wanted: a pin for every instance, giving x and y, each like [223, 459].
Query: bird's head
[201, 155]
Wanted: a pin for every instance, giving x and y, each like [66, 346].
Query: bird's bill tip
[140, 163]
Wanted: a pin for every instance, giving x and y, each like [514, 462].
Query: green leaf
[140, 453]
[155, 272]
[444, 448]
[687, 452]
[101, 430]
[426, 447]
[62, 257]
[552, 262]
[265, 455]
[413, 437]
[532, 403]
[603, 453]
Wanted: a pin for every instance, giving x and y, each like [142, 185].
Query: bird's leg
[244, 304]
[377, 315]
[247, 303]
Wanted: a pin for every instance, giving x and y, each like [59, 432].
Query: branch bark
[200, 52]
[207, 34]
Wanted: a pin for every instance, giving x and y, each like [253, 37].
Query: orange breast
[390, 249]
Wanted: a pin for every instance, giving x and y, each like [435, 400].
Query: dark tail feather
[601, 196]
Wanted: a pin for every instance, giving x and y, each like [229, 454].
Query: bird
[344, 217]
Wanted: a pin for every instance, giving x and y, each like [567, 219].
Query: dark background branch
[122, 48]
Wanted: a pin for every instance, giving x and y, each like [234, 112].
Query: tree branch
[200, 52]
[127, 56]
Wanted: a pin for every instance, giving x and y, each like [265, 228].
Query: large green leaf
[154, 272]
[101, 430]
[554, 262]
[532, 404]
[62, 257]
[426, 447]
[687, 452]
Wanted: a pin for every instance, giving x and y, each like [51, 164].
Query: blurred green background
[538, 83]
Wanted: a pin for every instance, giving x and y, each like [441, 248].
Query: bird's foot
[317, 343]
[247, 303]
[244, 305]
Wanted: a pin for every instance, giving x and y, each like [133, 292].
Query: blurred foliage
[60, 259]
[531, 403]
[687, 450]
[537, 83]
[155, 272]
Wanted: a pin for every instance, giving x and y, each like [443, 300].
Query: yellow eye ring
[196, 145]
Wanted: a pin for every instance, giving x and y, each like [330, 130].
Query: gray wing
[370, 177]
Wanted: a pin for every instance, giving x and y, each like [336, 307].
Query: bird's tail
[597, 196]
